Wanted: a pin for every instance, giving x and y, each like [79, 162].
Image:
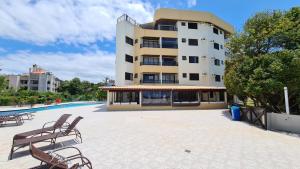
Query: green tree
[264, 58]
[3, 83]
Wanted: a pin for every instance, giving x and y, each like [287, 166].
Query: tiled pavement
[183, 139]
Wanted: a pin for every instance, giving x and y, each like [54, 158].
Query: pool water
[50, 107]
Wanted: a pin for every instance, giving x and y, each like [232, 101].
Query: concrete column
[140, 94]
[171, 98]
[225, 96]
[107, 98]
[286, 98]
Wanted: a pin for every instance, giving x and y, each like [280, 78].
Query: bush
[7, 100]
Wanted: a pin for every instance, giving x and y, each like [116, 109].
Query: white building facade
[181, 52]
[37, 79]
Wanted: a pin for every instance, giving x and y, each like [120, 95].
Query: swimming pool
[49, 107]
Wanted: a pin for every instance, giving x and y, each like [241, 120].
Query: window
[183, 40]
[182, 23]
[193, 59]
[169, 43]
[193, 42]
[128, 76]
[136, 41]
[135, 58]
[184, 75]
[129, 40]
[222, 62]
[128, 58]
[217, 62]
[221, 32]
[222, 96]
[135, 75]
[192, 25]
[221, 46]
[183, 57]
[194, 76]
[211, 94]
[217, 78]
[216, 46]
[215, 30]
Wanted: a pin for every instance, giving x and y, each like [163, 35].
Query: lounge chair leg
[11, 153]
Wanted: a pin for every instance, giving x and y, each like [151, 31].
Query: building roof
[159, 87]
[188, 15]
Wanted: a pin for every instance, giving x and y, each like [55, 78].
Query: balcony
[150, 81]
[150, 63]
[170, 81]
[169, 63]
[167, 27]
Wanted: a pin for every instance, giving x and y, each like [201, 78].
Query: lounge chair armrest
[64, 148]
[47, 123]
[82, 158]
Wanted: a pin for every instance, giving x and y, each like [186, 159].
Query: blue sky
[76, 38]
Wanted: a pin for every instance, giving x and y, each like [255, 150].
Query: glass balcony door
[151, 78]
[150, 60]
[169, 61]
[169, 78]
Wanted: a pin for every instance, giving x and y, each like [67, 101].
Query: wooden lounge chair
[47, 137]
[57, 125]
[8, 118]
[53, 160]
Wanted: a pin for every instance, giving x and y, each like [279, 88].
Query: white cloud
[191, 3]
[68, 21]
[88, 66]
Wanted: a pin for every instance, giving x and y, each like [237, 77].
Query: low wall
[205, 105]
[284, 122]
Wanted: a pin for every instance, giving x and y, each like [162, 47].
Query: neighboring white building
[37, 79]
[181, 52]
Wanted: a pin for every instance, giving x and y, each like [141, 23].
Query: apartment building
[176, 61]
[37, 79]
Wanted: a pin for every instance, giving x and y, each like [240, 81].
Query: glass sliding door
[156, 98]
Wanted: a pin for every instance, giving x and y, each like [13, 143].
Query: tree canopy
[264, 58]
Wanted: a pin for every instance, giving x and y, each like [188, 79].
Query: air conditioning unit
[203, 39]
[203, 56]
[204, 73]
[212, 41]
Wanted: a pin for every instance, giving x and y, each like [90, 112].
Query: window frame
[217, 62]
[192, 75]
[129, 40]
[192, 25]
[193, 59]
[218, 79]
[215, 46]
[130, 76]
[215, 30]
[127, 58]
[191, 43]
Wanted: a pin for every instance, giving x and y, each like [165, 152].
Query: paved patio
[189, 139]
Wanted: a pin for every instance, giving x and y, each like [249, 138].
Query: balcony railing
[169, 63]
[167, 27]
[150, 44]
[150, 81]
[170, 81]
[149, 63]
